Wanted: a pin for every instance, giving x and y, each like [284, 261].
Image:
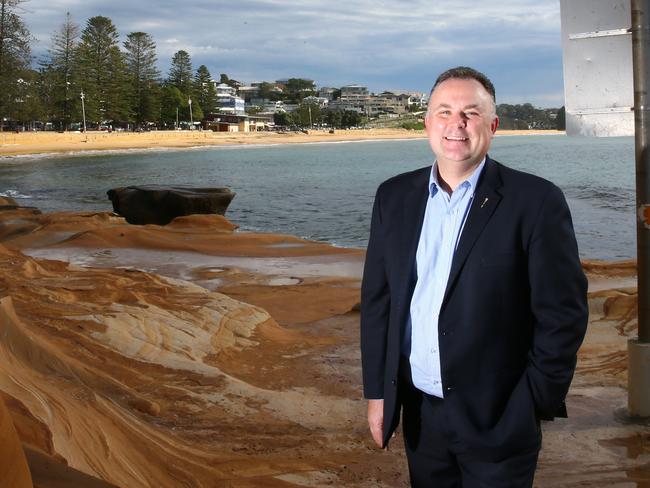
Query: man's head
[461, 118]
[466, 73]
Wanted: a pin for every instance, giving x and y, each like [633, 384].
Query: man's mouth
[456, 138]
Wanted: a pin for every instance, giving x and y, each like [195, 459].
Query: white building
[227, 100]
[343, 106]
[353, 90]
[353, 97]
[419, 100]
[389, 103]
[248, 92]
[231, 104]
[326, 92]
[274, 107]
[224, 90]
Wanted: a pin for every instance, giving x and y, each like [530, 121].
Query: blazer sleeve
[375, 307]
[558, 290]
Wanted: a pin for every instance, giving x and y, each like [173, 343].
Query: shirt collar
[434, 184]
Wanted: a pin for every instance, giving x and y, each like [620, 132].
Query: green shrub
[412, 125]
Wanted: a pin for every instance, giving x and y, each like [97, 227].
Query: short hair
[466, 73]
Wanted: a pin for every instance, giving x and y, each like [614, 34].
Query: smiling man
[473, 302]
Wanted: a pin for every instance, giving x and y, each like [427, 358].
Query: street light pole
[83, 112]
[66, 107]
[21, 100]
[189, 100]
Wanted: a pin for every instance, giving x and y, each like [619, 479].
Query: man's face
[460, 122]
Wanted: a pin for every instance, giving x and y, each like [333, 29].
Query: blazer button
[393, 382]
[444, 332]
[449, 388]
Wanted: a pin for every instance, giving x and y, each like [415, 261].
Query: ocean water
[324, 191]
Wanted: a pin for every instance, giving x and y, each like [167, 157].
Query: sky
[385, 45]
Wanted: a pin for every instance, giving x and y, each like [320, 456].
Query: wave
[94, 152]
[614, 198]
[13, 194]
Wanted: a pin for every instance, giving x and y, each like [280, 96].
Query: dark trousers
[434, 464]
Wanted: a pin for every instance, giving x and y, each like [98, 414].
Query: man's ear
[495, 124]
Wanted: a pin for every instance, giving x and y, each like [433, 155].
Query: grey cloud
[376, 42]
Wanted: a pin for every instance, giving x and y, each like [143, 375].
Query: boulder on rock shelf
[158, 204]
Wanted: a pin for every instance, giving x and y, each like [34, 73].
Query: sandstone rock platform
[195, 355]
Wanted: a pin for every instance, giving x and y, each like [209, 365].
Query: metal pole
[189, 100]
[639, 350]
[83, 111]
[641, 63]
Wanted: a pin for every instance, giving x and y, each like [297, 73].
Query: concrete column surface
[638, 378]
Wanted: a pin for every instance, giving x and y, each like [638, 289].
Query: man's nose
[459, 119]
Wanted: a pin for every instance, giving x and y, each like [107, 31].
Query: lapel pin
[484, 202]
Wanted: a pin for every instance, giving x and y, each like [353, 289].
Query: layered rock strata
[195, 355]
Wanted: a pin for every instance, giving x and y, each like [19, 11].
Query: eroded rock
[157, 204]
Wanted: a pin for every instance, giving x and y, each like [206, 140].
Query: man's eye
[471, 114]
[444, 112]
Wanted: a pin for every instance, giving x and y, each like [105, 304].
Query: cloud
[379, 43]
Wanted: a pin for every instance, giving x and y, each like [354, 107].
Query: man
[473, 302]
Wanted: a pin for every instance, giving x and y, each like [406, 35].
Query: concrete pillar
[638, 400]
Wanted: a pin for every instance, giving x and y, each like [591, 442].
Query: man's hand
[376, 420]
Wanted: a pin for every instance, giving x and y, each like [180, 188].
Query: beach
[195, 354]
[22, 143]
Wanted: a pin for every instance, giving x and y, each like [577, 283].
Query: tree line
[120, 83]
[310, 114]
[526, 116]
[86, 71]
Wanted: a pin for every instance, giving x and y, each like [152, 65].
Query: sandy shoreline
[26, 143]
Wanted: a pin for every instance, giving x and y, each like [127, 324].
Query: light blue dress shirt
[444, 219]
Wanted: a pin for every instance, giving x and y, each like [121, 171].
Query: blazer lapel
[485, 202]
[415, 203]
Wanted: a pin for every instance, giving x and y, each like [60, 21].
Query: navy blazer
[513, 316]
